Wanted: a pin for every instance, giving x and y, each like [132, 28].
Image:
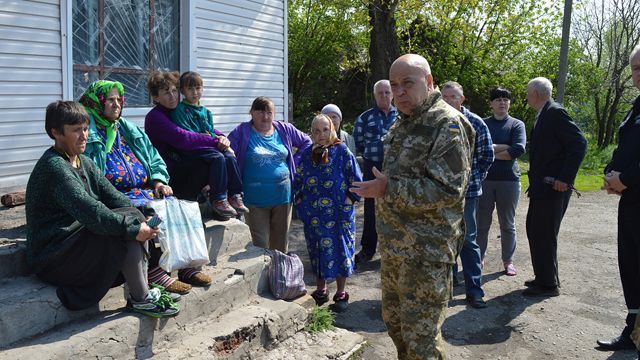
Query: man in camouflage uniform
[428, 154]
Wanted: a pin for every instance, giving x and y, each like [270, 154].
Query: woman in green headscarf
[129, 161]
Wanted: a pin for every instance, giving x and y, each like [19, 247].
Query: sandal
[320, 296]
[341, 302]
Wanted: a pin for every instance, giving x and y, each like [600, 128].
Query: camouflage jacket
[427, 161]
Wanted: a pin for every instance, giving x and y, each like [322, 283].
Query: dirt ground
[590, 307]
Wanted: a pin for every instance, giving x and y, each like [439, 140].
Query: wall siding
[30, 78]
[239, 47]
[240, 52]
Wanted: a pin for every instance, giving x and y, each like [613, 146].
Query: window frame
[185, 61]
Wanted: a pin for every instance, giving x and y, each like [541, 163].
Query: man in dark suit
[557, 148]
[623, 178]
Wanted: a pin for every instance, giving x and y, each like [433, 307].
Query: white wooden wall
[239, 47]
[30, 78]
[240, 50]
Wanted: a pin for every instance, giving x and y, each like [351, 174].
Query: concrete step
[250, 326]
[223, 237]
[29, 307]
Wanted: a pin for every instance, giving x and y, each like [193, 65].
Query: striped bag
[286, 275]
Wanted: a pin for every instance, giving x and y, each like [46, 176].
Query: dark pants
[629, 256]
[543, 224]
[211, 167]
[94, 264]
[369, 239]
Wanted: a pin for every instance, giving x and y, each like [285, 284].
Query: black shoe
[340, 304]
[476, 302]
[530, 283]
[541, 291]
[362, 257]
[619, 343]
[320, 297]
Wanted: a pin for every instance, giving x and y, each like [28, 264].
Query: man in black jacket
[557, 148]
[622, 177]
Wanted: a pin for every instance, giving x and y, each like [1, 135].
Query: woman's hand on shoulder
[146, 232]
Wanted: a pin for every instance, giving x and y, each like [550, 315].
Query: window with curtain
[123, 40]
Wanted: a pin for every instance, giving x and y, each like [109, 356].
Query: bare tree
[383, 48]
[608, 31]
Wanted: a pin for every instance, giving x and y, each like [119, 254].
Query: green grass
[321, 320]
[588, 179]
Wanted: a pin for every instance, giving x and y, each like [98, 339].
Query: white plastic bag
[181, 234]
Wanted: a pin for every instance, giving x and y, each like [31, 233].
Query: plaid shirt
[482, 156]
[369, 129]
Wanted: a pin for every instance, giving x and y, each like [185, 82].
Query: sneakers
[157, 304]
[509, 269]
[223, 209]
[236, 202]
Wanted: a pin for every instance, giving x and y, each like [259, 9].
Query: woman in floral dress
[326, 207]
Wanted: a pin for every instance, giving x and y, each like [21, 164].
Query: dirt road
[590, 307]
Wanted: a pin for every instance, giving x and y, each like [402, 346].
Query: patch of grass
[321, 320]
[588, 179]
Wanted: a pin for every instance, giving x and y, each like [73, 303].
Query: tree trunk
[383, 47]
[564, 50]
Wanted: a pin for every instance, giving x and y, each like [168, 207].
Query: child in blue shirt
[225, 184]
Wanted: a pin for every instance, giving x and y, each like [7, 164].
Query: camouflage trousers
[414, 302]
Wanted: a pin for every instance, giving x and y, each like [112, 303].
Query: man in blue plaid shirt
[482, 159]
[368, 131]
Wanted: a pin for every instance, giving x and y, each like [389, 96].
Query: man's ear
[461, 99]
[429, 80]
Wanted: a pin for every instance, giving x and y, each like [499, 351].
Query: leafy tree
[607, 32]
[327, 51]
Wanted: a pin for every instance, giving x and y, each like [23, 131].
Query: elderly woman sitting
[82, 234]
[128, 160]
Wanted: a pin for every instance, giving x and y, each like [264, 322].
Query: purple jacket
[291, 137]
[169, 138]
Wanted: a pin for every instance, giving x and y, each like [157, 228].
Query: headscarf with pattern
[94, 99]
[319, 152]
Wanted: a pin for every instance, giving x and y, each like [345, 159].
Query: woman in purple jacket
[267, 163]
[189, 175]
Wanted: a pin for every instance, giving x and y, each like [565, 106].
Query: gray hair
[453, 85]
[542, 85]
[381, 82]
[634, 52]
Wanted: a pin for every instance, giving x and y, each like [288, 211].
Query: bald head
[411, 82]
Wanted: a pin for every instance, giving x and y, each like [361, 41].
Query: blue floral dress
[126, 172]
[327, 210]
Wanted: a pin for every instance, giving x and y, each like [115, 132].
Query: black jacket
[626, 157]
[556, 150]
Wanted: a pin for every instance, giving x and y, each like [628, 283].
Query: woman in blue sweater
[501, 187]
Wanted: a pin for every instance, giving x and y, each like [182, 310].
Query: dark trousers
[211, 167]
[94, 264]
[369, 239]
[543, 224]
[629, 256]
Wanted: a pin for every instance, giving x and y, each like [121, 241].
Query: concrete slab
[29, 307]
[252, 325]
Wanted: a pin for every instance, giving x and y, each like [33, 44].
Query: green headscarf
[94, 99]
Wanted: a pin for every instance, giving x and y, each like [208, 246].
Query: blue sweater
[512, 132]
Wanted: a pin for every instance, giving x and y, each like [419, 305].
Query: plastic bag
[286, 275]
[181, 234]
